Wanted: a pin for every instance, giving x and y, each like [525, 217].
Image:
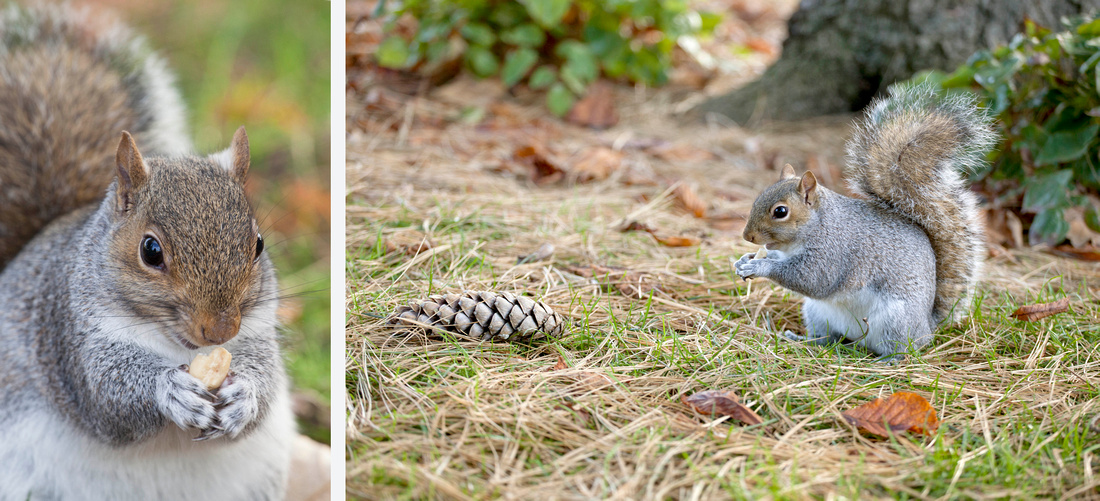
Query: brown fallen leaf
[1033, 312]
[596, 109]
[560, 365]
[676, 241]
[685, 194]
[543, 169]
[636, 226]
[595, 164]
[898, 412]
[1085, 253]
[680, 153]
[720, 402]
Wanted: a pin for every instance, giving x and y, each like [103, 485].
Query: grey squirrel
[137, 260]
[883, 271]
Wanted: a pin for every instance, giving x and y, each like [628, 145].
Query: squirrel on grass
[119, 265]
[885, 270]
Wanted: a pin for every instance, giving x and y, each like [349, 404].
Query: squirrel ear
[807, 187]
[132, 171]
[236, 158]
[787, 173]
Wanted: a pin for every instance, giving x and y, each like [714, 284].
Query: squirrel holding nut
[119, 265]
[885, 270]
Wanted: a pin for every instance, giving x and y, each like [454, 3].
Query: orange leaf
[596, 163]
[898, 412]
[690, 201]
[1033, 312]
[597, 109]
[718, 402]
[561, 365]
[674, 241]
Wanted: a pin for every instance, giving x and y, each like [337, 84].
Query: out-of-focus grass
[265, 65]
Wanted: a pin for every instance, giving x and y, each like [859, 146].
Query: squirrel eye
[259, 245]
[151, 252]
[780, 212]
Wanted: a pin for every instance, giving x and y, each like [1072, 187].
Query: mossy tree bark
[841, 53]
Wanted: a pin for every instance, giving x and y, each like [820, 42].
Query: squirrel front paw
[185, 401]
[237, 405]
[749, 267]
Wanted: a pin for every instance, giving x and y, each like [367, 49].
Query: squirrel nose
[221, 327]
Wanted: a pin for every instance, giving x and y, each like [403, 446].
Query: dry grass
[454, 419]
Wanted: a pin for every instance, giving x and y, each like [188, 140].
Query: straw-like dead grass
[436, 208]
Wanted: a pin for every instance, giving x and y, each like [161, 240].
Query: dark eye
[259, 245]
[151, 252]
[780, 212]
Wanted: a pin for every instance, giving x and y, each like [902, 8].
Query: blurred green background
[265, 65]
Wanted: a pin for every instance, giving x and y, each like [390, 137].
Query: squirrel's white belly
[45, 458]
[861, 316]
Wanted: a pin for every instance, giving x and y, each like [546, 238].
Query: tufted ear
[132, 172]
[786, 173]
[807, 187]
[236, 158]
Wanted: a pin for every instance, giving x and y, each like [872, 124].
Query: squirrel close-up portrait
[124, 255]
[882, 271]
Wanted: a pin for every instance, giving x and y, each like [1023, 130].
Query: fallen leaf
[680, 153]
[636, 226]
[898, 412]
[560, 365]
[676, 241]
[596, 109]
[1085, 253]
[595, 164]
[543, 169]
[685, 194]
[1033, 312]
[719, 402]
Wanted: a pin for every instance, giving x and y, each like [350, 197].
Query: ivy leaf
[516, 65]
[1092, 218]
[481, 61]
[524, 35]
[580, 62]
[393, 52]
[559, 99]
[1066, 145]
[1047, 192]
[543, 77]
[548, 13]
[1049, 227]
[478, 34]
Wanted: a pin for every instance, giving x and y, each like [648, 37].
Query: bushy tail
[71, 80]
[909, 155]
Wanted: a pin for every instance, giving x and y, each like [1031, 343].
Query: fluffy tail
[71, 80]
[909, 155]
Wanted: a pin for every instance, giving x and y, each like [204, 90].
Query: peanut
[211, 369]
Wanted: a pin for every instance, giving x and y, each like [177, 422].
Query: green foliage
[558, 45]
[1043, 86]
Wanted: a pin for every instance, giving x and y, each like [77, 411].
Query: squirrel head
[185, 241]
[782, 209]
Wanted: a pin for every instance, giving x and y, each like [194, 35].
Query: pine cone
[483, 315]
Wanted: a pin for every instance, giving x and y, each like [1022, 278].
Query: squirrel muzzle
[216, 328]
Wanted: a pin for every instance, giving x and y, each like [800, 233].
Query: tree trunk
[841, 53]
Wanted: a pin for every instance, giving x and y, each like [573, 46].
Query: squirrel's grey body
[102, 309]
[82, 403]
[884, 271]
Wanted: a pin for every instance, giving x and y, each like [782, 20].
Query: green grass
[265, 65]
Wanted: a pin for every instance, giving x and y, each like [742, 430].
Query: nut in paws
[185, 401]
